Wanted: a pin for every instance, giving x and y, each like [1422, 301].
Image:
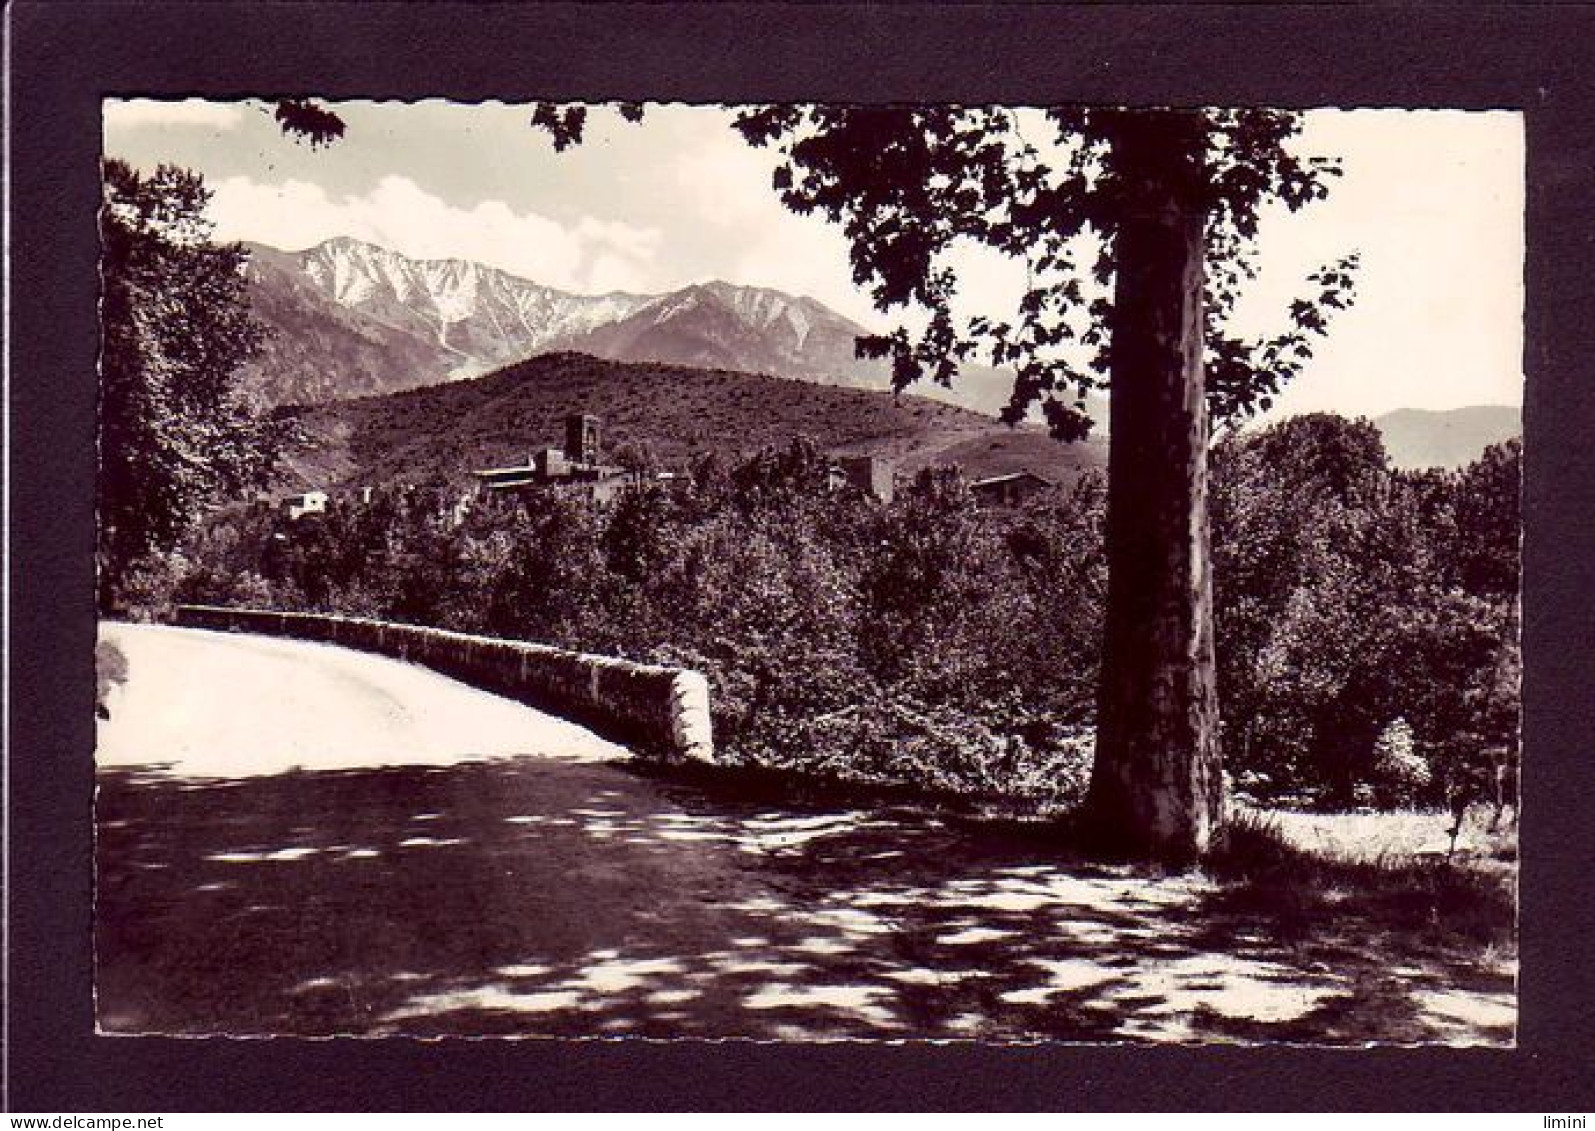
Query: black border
[65, 56]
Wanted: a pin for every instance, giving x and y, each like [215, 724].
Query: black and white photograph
[808, 572]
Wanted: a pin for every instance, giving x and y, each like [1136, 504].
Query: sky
[1432, 200]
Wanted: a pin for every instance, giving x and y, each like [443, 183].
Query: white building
[310, 502]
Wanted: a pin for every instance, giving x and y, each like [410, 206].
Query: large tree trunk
[1157, 786]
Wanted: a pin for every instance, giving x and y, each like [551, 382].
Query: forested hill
[673, 411]
[1448, 438]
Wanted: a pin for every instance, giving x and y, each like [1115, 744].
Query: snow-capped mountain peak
[456, 318]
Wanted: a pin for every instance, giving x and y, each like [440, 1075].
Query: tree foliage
[933, 642]
[177, 434]
[1487, 521]
[1346, 599]
[308, 121]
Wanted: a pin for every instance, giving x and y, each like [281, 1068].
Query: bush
[890, 739]
[146, 588]
[110, 670]
[1400, 773]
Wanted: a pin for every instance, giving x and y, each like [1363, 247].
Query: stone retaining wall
[658, 711]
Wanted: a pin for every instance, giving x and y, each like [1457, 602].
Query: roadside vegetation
[1366, 616]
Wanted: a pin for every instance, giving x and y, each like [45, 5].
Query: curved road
[217, 704]
[294, 838]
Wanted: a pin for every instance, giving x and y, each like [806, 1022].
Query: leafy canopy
[909, 184]
[176, 432]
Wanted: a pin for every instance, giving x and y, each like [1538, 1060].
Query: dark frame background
[65, 57]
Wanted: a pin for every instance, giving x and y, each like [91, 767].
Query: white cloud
[802, 256]
[727, 181]
[291, 215]
[609, 273]
[590, 255]
[132, 113]
[723, 185]
[640, 244]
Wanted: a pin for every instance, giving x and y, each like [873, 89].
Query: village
[578, 468]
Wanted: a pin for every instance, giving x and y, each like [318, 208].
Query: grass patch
[1262, 860]
[1375, 836]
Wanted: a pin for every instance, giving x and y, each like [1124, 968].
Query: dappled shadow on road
[537, 898]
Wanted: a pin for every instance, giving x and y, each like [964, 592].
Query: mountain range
[350, 318]
[1452, 438]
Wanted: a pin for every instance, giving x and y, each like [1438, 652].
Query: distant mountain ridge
[474, 310]
[353, 319]
[717, 325]
[1449, 438]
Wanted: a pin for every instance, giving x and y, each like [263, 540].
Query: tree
[1401, 770]
[1170, 200]
[1350, 594]
[176, 432]
[1324, 572]
[1488, 522]
[1486, 557]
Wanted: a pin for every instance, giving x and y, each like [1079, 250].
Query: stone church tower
[581, 438]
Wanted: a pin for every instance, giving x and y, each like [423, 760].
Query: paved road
[217, 704]
[285, 847]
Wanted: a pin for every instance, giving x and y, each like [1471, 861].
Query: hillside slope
[677, 412]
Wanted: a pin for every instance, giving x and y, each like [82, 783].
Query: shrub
[146, 587]
[110, 670]
[1400, 773]
[890, 739]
